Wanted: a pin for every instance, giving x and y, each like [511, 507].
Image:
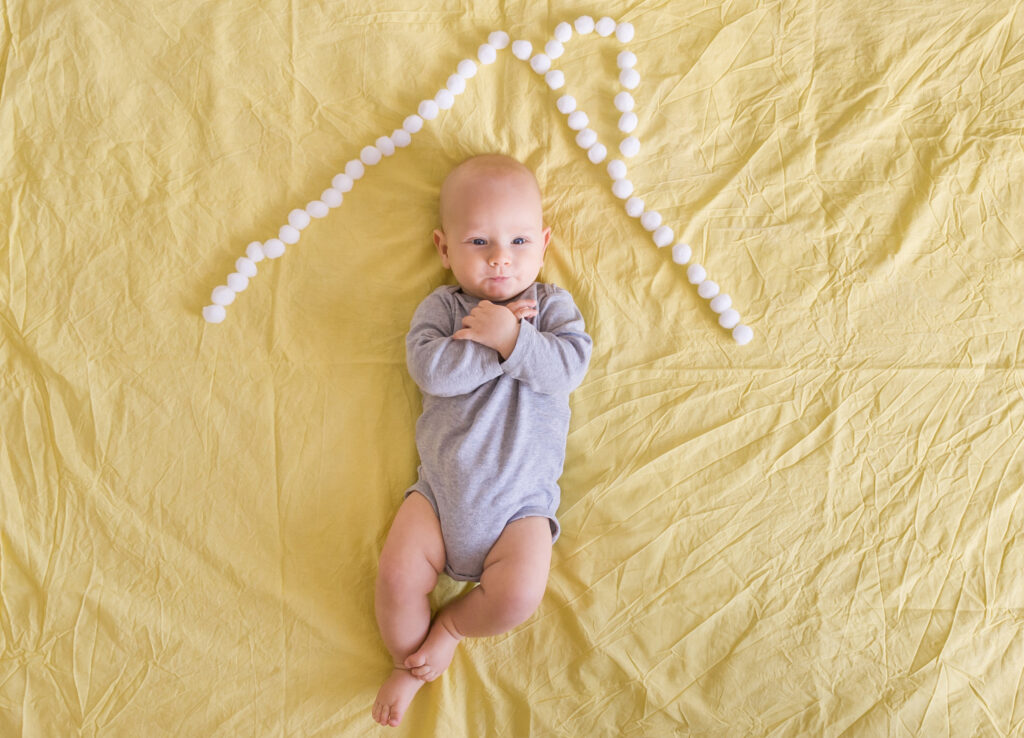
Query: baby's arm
[440, 365]
[552, 359]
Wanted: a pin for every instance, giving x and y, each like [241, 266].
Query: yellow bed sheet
[818, 533]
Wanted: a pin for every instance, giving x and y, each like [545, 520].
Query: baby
[496, 358]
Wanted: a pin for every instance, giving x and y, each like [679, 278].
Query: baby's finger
[519, 304]
[463, 334]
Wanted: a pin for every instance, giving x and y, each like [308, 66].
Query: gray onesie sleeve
[552, 361]
[441, 365]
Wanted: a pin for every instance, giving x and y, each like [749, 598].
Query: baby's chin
[499, 292]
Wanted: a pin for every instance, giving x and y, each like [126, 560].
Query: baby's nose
[499, 256]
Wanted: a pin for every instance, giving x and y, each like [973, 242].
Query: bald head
[496, 172]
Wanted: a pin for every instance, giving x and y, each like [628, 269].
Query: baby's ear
[547, 238]
[441, 243]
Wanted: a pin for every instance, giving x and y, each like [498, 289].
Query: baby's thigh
[520, 559]
[414, 546]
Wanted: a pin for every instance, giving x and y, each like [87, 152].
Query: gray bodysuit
[492, 435]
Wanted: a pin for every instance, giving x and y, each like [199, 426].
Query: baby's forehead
[497, 174]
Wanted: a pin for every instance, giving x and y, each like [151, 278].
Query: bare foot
[433, 657]
[394, 697]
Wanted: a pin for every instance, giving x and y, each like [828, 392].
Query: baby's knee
[405, 571]
[518, 601]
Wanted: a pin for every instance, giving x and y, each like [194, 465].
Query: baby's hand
[492, 325]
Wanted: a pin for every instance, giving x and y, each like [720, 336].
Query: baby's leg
[511, 587]
[412, 557]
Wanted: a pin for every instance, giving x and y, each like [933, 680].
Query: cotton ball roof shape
[586, 138]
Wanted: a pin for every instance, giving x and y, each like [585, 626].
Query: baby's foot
[433, 657]
[394, 697]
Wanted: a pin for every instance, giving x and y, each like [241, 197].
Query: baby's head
[492, 233]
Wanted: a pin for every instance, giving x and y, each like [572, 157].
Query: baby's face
[493, 238]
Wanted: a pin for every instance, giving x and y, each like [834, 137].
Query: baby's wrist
[509, 345]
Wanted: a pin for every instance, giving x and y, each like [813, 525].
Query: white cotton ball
[624, 32]
[578, 120]
[317, 209]
[370, 155]
[629, 78]
[663, 236]
[246, 267]
[586, 138]
[681, 253]
[651, 220]
[238, 282]
[555, 79]
[563, 32]
[498, 39]
[444, 99]
[624, 102]
[486, 54]
[707, 289]
[255, 251]
[742, 334]
[605, 26]
[616, 169]
[566, 104]
[355, 169]
[634, 206]
[554, 49]
[456, 84]
[584, 24]
[214, 313]
[522, 49]
[629, 146]
[628, 122]
[721, 303]
[386, 145]
[222, 295]
[597, 153]
[622, 188]
[288, 234]
[342, 182]
[541, 63]
[331, 197]
[273, 248]
[696, 274]
[401, 138]
[626, 60]
[412, 124]
[428, 110]
[467, 68]
[298, 219]
[729, 318]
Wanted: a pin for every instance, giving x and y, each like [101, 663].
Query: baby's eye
[479, 242]
[519, 241]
